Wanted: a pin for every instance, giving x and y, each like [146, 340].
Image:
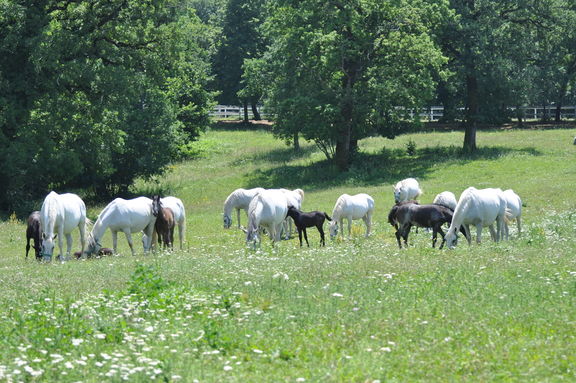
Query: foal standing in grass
[164, 226]
[304, 220]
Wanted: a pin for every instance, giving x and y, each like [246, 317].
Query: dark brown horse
[33, 232]
[404, 216]
[304, 220]
[164, 226]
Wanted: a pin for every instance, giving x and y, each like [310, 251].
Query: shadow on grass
[387, 166]
[236, 125]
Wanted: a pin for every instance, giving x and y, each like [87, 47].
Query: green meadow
[357, 310]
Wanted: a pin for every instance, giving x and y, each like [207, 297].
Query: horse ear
[55, 235]
[43, 235]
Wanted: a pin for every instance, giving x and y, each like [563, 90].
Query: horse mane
[339, 206]
[50, 211]
[465, 198]
[301, 192]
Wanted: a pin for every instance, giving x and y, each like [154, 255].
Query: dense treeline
[94, 94]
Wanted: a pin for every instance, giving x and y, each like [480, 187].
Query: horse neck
[49, 213]
[459, 213]
[101, 225]
[230, 203]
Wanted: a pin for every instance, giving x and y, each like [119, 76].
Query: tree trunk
[558, 113]
[342, 154]
[246, 119]
[296, 142]
[471, 113]
[255, 111]
[519, 115]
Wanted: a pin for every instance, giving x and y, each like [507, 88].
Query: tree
[341, 70]
[96, 93]
[241, 40]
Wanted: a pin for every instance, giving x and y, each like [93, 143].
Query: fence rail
[432, 113]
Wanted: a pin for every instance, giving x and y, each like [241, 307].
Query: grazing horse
[33, 232]
[165, 223]
[447, 199]
[239, 199]
[304, 220]
[405, 215]
[407, 189]
[128, 216]
[479, 208]
[268, 209]
[359, 206]
[60, 214]
[513, 210]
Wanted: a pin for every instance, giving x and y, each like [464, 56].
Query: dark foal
[164, 226]
[406, 215]
[101, 252]
[304, 220]
[33, 232]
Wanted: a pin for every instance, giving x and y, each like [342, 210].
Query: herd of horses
[271, 211]
[62, 213]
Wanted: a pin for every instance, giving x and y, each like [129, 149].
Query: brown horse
[164, 226]
[33, 232]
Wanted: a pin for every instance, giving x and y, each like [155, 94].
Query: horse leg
[238, 216]
[321, 231]
[27, 246]
[172, 238]
[479, 233]
[305, 236]
[115, 241]
[439, 230]
[398, 238]
[68, 243]
[128, 235]
[82, 228]
[349, 227]
[519, 225]
[60, 236]
[299, 234]
[406, 231]
[180, 233]
[467, 234]
[493, 234]
[368, 222]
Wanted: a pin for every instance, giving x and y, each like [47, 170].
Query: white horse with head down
[513, 210]
[239, 199]
[407, 189]
[359, 206]
[479, 208]
[446, 199]
[127, 216]
[61, 214]
[267, 209]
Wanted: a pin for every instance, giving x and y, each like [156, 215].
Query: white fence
[432, 113]
[232, 111]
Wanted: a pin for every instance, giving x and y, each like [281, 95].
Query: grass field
[358, 310]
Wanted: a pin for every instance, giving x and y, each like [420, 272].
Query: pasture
[356, 310]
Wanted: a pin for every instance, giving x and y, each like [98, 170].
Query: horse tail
[327, 216]
[508, 216]
[392, 215]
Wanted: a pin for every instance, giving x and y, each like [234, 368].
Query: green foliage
[146, 281]
[344, 71]
[96, 94]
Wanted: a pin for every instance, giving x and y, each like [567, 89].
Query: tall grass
[357, 310]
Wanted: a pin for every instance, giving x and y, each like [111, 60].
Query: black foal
[304, 220]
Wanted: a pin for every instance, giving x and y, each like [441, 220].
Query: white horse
[239, 199]
[352, 208]
[513, 210]
[407, 189]
[61, 214]
[128, 216]
[268, 209]
[446, 199]
[479, 208]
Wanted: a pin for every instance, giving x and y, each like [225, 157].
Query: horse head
[48, 244]
[333, 229]
[93, 245]
[451, 240]
[156, 205]
[227, 221]
[252, 236]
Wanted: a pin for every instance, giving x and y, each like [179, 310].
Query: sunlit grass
[356, 310]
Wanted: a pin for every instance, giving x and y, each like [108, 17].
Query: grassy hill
[358, 310]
